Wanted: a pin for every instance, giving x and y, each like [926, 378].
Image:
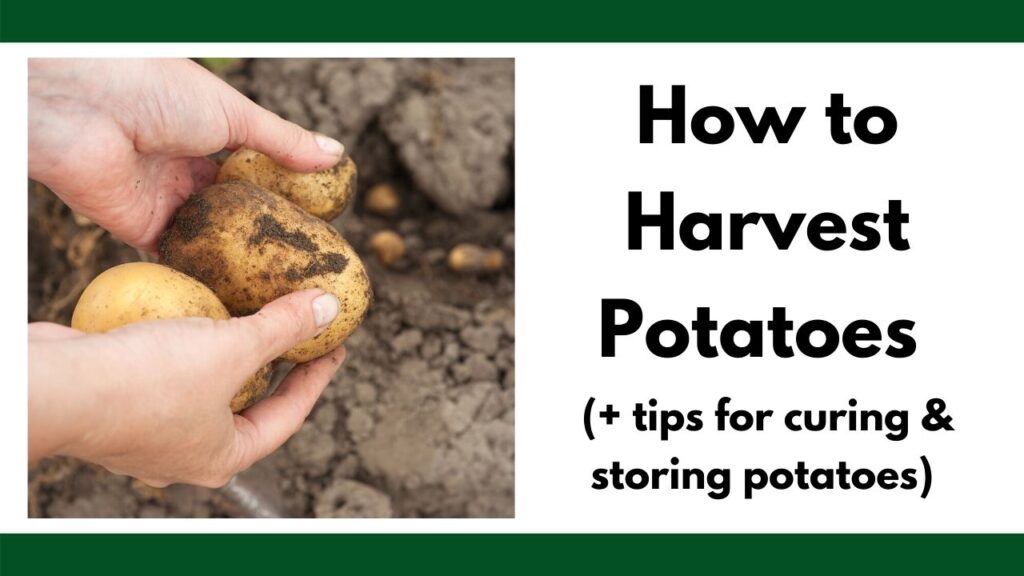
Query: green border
[490, 554]
[519, 21]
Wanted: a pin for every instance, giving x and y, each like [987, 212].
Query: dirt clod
[349, 499]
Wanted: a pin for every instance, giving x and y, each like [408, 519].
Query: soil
[420, 420]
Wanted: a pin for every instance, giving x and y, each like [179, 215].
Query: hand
[125, 142]
[150, 400]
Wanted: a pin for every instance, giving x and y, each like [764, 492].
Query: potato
[324, 194]
[388, 246]
[143, 291]
[382, 200]
[250, 247]
[472, 259]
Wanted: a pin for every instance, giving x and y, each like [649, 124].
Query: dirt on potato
[419, 422]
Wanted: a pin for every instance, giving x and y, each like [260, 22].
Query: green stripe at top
[517, 21]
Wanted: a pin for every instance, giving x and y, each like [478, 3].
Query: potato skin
[388, 246]
[324, 194]
[254, 390]
[472, 259]
[141, 291]
[251, 247]
[382, 200]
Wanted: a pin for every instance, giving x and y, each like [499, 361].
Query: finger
[290, 145]
[50, 331]
[264, 427]
[204, 172]
[282, 324]
[154, 483]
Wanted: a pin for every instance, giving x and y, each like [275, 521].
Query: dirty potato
[143, 291]
[324, 194]
[252, 247]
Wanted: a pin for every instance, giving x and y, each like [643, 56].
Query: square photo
[271, 288]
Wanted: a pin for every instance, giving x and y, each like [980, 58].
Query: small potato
[143, 291]
[472, 259]
[388, 246]
[250, 247]
[382, 200]
[324, 194]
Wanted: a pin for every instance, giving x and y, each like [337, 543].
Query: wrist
[63, 394]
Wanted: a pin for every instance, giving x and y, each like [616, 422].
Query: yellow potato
[143, 291]
[472, 259]
[382, 200]
[324, 194]
[251, 247]
[388, 246]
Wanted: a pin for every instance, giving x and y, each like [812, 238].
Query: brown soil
[419, 422]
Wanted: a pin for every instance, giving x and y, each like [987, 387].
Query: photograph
[271, 288]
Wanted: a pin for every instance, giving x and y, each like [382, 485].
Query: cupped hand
[151, 400]
[124, 142]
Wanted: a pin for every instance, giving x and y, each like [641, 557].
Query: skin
[140, 291]
[124, 143]
[145, 400]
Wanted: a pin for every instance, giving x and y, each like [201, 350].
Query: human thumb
[282, 324]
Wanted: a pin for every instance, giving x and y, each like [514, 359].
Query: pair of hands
[125, 143]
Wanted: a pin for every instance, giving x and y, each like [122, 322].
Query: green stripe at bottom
[489, 554]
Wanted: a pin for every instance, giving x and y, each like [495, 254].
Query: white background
[955, 163]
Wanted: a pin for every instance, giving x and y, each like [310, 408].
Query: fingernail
[325, 308]
[329, 145]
